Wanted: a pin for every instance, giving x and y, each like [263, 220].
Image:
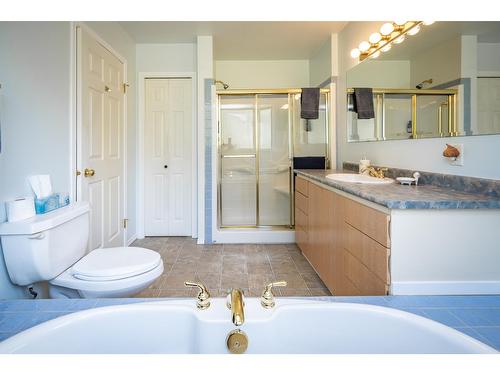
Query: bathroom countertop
[396, 196]
[476, 316]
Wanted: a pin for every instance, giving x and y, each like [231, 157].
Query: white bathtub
[293, 326]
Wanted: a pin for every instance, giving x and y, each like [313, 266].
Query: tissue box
[50, 203]
[46, 204]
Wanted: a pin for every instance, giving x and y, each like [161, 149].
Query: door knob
[88, 172]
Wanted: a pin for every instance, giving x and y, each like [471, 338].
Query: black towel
[309, 103]
[309, 162]
[363, 103]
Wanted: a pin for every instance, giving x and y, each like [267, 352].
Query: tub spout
[236, 305]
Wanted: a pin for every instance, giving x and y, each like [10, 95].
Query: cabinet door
[320, 234]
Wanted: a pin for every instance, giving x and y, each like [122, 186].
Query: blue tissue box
[50, 203]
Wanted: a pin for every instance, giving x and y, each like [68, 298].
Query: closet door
[167, 157]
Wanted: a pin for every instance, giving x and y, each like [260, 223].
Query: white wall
[480, 158]
[380, 74]
[204, 71]
[263, 74]
[320, 64]
[113, 34]
[169, 58]
[429, 63]
[35, 113]
[488, 60]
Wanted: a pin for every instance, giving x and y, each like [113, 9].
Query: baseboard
[131, 239]
[253, 236]
[445, 287]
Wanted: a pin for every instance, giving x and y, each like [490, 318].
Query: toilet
[53, 247]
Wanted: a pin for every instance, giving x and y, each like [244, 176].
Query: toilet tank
[42, 247]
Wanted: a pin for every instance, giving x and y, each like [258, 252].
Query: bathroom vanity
[393, 239]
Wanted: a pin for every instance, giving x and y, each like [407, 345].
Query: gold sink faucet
[376, 172]
[236, 305]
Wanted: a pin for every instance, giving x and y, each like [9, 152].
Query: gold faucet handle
[203, 297]
[267, 298]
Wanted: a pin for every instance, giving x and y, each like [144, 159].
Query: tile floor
[222, 267]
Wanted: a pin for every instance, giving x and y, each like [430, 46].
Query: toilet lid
[115, 263]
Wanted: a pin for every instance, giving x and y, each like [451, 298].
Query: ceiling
[440, 32]
[242, 40]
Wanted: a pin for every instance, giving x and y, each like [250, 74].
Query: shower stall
[259, 134]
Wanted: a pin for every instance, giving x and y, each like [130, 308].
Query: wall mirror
[443, 81]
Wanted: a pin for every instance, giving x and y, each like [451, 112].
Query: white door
[102, 159]
[167, 157]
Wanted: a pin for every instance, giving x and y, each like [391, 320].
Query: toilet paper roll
[20, 209]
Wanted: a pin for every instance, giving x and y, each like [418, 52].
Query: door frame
[76, 141]
[141, 100]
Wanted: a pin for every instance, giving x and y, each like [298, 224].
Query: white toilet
[53, 247]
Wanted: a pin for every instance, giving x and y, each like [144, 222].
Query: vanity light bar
[390, 33]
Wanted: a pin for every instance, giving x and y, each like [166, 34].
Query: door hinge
[125, 86]
[125, 223]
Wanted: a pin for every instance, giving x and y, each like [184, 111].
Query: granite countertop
[396, 196]
[476, 316]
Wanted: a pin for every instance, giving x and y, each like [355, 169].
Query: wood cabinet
[346, 242]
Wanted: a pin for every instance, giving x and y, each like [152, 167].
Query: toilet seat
[126, 277]
[115, 263]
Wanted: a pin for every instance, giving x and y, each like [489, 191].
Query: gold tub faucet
[203, 297]
[267, 297]
[236, 305]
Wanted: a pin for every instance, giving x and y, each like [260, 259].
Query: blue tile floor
[476, 316]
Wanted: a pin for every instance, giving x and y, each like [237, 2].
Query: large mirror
[443, 81]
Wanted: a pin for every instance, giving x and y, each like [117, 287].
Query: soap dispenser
[363, 166]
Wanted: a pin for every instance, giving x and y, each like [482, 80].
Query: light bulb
[386, 48]
[375, 38]
[355, 53]
[414, 30]
[400, 23]
[387, 28]
[428, 23]
[364, 46]
[375, 55]
[400, 39]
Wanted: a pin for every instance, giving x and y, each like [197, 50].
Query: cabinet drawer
[302, 202]
[371, 222]
[362, 278]
[373, 255]
[302, 185]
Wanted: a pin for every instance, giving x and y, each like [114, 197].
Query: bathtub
[293, 326]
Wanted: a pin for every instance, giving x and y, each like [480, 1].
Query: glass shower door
[273, 160]
[255, 159]
[238, 178]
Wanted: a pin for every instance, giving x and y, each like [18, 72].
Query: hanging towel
[309, 103]
[363, 103]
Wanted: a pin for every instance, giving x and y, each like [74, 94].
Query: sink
[359, 179]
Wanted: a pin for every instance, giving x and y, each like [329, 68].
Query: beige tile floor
[222, 267]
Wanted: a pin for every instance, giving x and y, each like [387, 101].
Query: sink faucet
[376, 172]
[236, 305]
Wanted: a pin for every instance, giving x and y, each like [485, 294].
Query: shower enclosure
[259, 133]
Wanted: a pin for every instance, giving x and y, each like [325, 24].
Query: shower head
[224, 85]
[421, 84]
